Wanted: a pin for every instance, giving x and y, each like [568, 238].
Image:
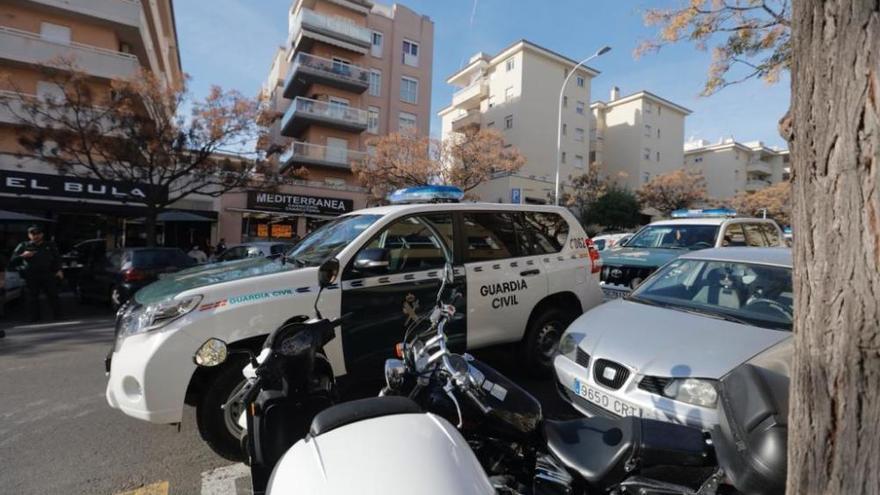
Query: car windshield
[742, 292]
[675, 237]
[329, 239]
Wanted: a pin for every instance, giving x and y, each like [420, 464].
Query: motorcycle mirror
[212, 353]
[327, 273]
[448, 273]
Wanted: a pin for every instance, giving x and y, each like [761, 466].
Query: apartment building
[350, 70]
[731, 167]
[517, 92]
[107, 39]
[636, 137]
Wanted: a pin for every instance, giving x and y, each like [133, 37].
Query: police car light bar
[700, 213]
[426, 194]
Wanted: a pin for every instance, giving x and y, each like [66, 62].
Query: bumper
[653, 406]
[149, 374]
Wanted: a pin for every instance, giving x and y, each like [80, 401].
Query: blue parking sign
[515, 195]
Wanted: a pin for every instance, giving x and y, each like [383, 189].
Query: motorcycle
[404, 440]
[287, 383]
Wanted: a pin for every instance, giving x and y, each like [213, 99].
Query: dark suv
[115, 277]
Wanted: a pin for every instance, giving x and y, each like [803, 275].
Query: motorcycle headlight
[696, 391]
[569, 342]
[155, 316]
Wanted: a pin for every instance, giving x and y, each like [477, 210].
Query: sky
[231, 43]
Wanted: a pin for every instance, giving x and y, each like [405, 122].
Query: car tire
[538, 347]
[217, 426]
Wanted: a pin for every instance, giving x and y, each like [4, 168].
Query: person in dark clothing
[39, 263]
[221, 246]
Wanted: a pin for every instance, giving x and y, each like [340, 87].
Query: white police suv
[525, 272]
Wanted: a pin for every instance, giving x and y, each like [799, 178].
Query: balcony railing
[308, 68]
[307, 20]
[305, 111]
[756, 184]
[759, 167]
[472, 93]
[30, 48]
[471, 119]
[305, 154]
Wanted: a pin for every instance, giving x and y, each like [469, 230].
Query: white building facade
[517, 93]
[731, 167]
[635, 137]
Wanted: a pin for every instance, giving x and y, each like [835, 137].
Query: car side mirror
[327, 273]
[372, 260]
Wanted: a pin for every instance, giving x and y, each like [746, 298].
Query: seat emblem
[609, 373]
[616, 273]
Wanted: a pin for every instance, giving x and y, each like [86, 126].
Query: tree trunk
[834, 132]
[150, 226]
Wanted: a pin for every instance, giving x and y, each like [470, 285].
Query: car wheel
[538, 348]
[218, 426]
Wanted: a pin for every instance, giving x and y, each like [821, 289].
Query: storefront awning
[175, 216]
[11, 216]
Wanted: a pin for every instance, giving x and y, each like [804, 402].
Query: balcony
[469, 121]
[471, 95]
[124, 12]
[753, 185]
[304, 112]
[308, 69]
[759, 167]
[308, 26]
[29, 48]
[301, 154]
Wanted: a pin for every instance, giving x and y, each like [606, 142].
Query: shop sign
[15, 182]
[298, 203]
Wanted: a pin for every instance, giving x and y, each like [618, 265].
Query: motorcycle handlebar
[477, 401]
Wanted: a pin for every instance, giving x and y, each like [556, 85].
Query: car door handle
[529, 273]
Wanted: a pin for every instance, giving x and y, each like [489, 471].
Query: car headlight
[154, 316]
[569, 342]
[696, 391]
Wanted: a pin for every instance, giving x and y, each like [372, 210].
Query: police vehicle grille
[620, 374]
[582, 358]
[623, 275]
[654, 384]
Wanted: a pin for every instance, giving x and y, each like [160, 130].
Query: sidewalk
[17, 317]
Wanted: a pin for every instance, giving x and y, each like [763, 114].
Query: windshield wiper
[717, 316]
[649, 302]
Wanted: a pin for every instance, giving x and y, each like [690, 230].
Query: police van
[525, 273]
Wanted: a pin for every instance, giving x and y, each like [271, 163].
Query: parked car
[82, 254]
[525, 272]
[655, 244]
[117, 275]
[254, 250]
[11, 285]
[659, 352]
[608, 241]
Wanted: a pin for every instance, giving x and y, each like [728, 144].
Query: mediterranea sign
[298, 203]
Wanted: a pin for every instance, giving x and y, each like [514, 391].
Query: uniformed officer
[39, 263]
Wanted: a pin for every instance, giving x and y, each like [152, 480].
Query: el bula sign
[73, 187]
[298, 203]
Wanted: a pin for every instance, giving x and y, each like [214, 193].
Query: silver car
[659, 352]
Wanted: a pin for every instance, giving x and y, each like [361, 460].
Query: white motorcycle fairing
[395, 454]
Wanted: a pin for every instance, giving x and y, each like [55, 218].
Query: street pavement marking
[160, 488]
[221, 481]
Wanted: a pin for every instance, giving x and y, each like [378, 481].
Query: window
[508, 93]
[754, 235]
[341, 66]
[371, 150]
[409, 90]
[547, 232]
[658, 133]
[734, 236]
[564, 129]
[578, 134]
[563, 157]
[55, 33]
[509, 64]
[578, 161]
[580, 81]
[659, 109]
[646, 177]
[647, 154]
[698, 159]
[412, 244]
[490, 236]
[406, 121]
[508, 122]
[647, 108]
[647, 130]
[411, 53]
[491, 124]
[375, 82]
[50, 91]
[373, 120]
[771, 233]
[376, 48]
[564, 102]
[580, 107]
[491, 101]
[658, 156]
[592, 156]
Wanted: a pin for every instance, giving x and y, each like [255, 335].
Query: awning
[175, 216]
[11, 216]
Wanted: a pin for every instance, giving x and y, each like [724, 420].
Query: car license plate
[614, 293]
[605, 401]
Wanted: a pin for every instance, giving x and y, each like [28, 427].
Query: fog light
[212, 353]
[132, 388]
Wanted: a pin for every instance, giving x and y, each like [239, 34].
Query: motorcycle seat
[359, 410]
[595, 448]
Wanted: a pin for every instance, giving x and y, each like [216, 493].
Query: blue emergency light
[426, 194]
[701, 213]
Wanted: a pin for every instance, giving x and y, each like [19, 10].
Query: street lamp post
[601, 51]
